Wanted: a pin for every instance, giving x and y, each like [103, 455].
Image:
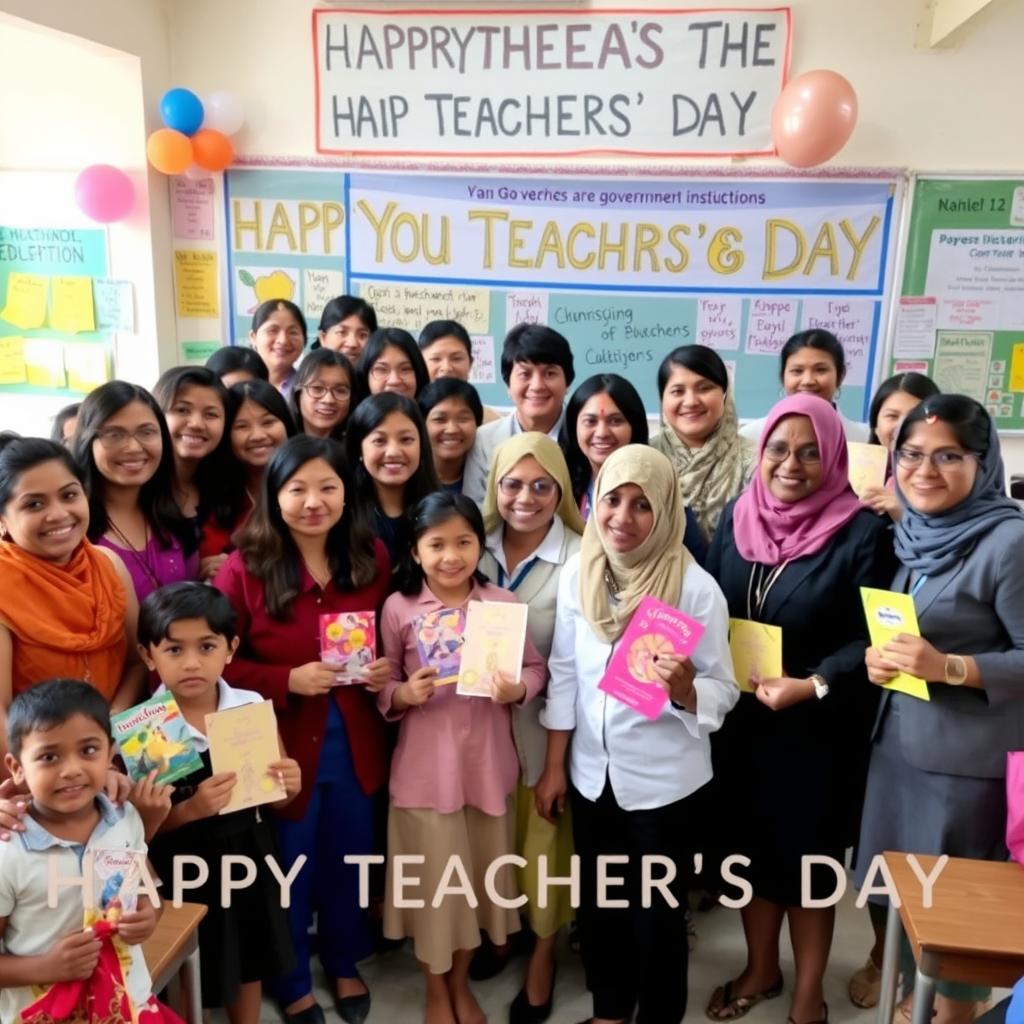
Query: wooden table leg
[890, 965]
[924, 998]
[193, 988]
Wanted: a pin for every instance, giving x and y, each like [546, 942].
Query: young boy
[537, 367]
[59, 746]
[187, 635]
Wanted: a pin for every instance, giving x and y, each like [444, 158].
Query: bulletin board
[960, 315]
[626, 268]
[57, 310]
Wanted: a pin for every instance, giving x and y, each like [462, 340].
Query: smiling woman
[452, 411]
[279, 335]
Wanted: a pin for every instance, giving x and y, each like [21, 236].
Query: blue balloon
[182, 110]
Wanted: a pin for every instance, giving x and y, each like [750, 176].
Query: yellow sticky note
[867, 466]
[71, 306]
[25, 306]
[756, 650]
[44, 362]
[889, 613]
[88, 366]
[12, 361]
[195, 278]
[1017, 368]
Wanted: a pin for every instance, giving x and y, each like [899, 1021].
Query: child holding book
[455, 767]
[58, 737]
[187, 635]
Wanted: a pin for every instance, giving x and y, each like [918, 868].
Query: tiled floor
[397, 991]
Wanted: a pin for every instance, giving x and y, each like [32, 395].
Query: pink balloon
[813, 118]
[104, 193]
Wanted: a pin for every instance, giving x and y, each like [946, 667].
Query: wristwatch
[820, 686]
[956, 670]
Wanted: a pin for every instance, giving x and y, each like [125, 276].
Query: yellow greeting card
[756, 650]
[71, 305]
[495, 636]
[888, 614]
[244, 741]
[25, 306]
[867, 466]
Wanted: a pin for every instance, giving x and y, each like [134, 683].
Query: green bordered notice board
[960, 315]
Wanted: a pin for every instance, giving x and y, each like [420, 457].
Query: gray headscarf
[932, 544]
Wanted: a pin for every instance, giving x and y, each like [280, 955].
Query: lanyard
[918, 584]
[519, 577]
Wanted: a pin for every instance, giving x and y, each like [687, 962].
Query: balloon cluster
[196, 138]
[813, 118]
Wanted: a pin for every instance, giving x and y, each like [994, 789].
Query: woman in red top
[300, 556]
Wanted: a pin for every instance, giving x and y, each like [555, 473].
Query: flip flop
[724, 1006]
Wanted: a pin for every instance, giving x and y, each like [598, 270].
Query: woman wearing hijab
[699, 432]
[793, 551]
[533, 527]
[631, 777]
[937, 778]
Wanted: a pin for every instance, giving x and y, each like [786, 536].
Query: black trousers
[633, 956]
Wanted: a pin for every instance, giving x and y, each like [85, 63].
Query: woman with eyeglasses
[937, 784]
[533, 527]
[793, 551]
[391, 361]
[322, 397]
[125, 450]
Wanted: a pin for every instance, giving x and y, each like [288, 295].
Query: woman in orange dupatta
[67, 608]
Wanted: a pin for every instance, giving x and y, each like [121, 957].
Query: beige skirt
[476, 840]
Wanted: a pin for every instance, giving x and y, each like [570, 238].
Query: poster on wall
[960, 318]
[627, 270]
[494, 82]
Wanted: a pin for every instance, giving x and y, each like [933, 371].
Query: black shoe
[352, 1009]
[488, 963]
[310, 1015]
[522, 1011]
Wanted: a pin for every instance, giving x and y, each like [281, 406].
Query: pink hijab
[771, 531]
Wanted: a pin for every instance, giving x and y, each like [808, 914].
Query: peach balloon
[212, 149]
[170, 152]
[813, 118]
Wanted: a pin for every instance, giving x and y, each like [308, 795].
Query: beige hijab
[712, 475]
[552, 461]
[656, 567]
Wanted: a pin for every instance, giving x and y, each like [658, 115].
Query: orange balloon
[212, 149]
[813, 118]
[170, 152]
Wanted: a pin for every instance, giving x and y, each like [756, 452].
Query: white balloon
[223, 112]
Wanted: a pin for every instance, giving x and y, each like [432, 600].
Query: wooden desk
[172, 955]
[972, 932]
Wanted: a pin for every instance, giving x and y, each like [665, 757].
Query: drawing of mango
[275, 285]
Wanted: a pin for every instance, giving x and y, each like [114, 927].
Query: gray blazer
[975, 608]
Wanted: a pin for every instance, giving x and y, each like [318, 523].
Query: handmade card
[889, 613]
[494, 640]
[244, 740]
[116, 878]
[867, 465]
[154, 734]
[348, 640]
[439, 637]
[756, 650]
[655, 631]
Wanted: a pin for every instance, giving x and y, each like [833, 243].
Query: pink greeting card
[655, 630]
[439, 637]
[348, 640]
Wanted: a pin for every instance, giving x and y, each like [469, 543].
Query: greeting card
[348, 640]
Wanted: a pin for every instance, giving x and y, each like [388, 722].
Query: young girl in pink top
[455, 767]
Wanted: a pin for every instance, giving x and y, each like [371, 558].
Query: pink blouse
[452, 751]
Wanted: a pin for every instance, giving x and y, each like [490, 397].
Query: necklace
[320, 580]
[610, 581]
[141, 558]
[757, 593]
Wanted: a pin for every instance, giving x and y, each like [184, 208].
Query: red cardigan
[270, 649]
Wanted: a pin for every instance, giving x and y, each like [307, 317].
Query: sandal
[824, 1020]
[865, 986]
[723, 1005]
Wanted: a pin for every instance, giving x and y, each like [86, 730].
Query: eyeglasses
[911, 458]
[318, 391]
[542, 487]
[115, 437]
[381, 371]
[808, 455]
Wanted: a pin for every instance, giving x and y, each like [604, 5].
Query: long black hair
[916, 384]
[156, 496]
[431, 511]
[267, 545]
[231, 498]
[390, 337]
[625, 396]
[319, 359]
